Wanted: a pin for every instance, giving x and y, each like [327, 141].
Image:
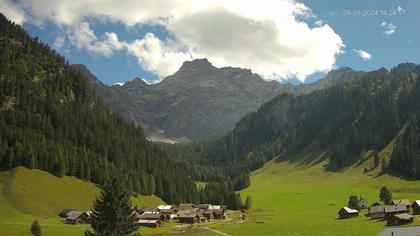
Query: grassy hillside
[33, 194]
[298, 197]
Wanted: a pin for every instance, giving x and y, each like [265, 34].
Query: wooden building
[363, 204]
[376, 212]
[78, 217]
[416, 207]
[149, 223]
[400, 219]
[404, 202]
[395, 209]
[346, 212]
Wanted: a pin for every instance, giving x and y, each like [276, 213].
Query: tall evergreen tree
[36, 228]
[113, 214]
[353, 202]
[385, 195]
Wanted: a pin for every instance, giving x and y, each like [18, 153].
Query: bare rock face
[199, 100]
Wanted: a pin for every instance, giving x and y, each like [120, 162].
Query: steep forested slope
[51, 119]
[345, 121]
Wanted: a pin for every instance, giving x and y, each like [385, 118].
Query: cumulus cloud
[388, 28]
[12, 11]
[83, 37]
[363, 54]
[270, 37]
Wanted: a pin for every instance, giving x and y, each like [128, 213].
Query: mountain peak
[197, 64]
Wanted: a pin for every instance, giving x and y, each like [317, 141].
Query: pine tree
[36, 228]
[151, 184]
[385, 195]
[113, 214]
[353, 202]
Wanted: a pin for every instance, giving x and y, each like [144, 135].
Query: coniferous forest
[51, 119]
[346, 121]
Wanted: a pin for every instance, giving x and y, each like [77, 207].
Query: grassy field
[301, 198]
[33, 194]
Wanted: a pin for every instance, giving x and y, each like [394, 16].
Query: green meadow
[26, 195]
[301, 198]
[288, 198]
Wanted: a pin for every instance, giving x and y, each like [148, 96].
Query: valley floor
[288, 198]
[303, 199]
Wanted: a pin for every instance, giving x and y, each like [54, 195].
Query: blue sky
[122, 40]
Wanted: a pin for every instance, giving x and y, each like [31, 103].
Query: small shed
[400, 219]
[416, 207]
[189, 218]
[346, 212]
[376, 212]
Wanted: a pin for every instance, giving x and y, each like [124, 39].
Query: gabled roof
[403, 216]
[404, 202]
[376, 209]
[72, 215]
[395, 208]
[150, 216]
[349, 210]
[416, 202]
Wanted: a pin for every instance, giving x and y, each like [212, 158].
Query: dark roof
[72, 215]
[150, 216]
[187, 205]
[203, 206]
[376, 209]
[395, 208]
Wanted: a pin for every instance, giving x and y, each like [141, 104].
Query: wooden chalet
[404, 202]
[416, 207]
[209, 214]
[219, 214]
[191, 218]
[169, 213]
[391, 210]
[78, 217]
[376, 212]
[153, 216]
[149, 223]
[346, 212]
[400, 219]
[363, 204]
[65, 213]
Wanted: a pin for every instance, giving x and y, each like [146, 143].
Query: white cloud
[12, 11]
[58, 43]
[160, 57]
[83, 37]
[363, 54]
[388, 28]
[270, 37]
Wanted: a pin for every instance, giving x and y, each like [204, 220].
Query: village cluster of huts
[397, 213]
[156, 216]
[184, 213]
